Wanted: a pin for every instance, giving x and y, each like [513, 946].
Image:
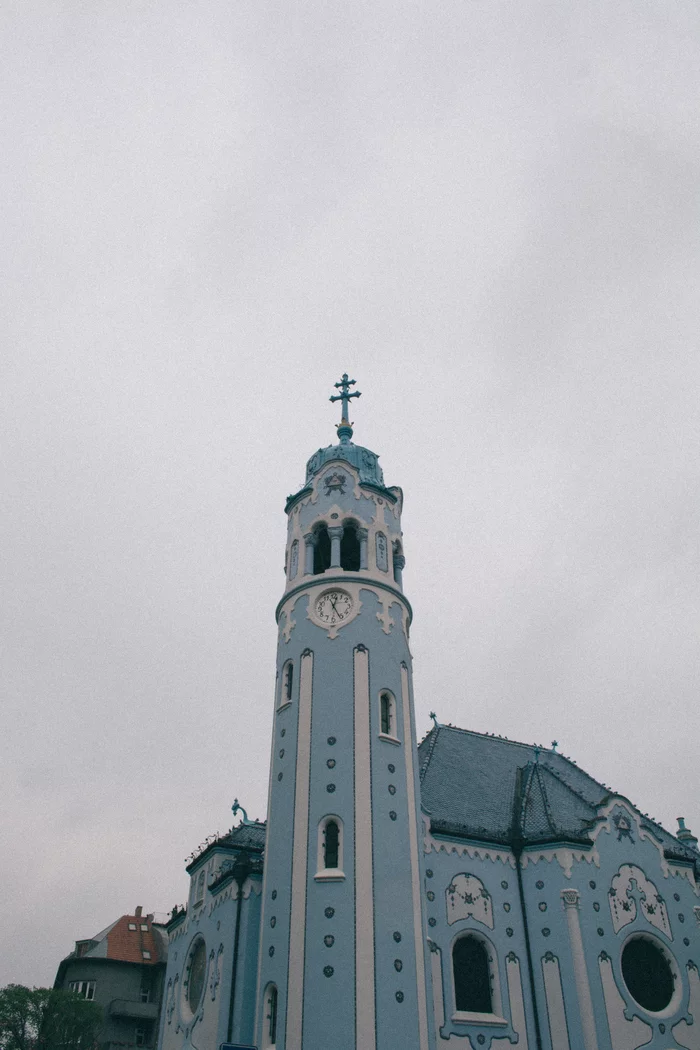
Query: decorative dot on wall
[592, 884]
[601, 931]
[432, 921]
[596, 906]
[273, 922]
[429, 873]
[676, 896]
[399, 997]
[329, 913]
[506, 906]
[274, 895]
[391, 767]
[330, 788]
[539, 884]
[504, 885]
[392, 814]
[398, 965]
[509, 932]
[546, 931]
[279, 776]
[331, 763]
[328, 971]
[662, 1028]
[331, 740]
[329, 940]
[271, 950]
[431, 895]
[334, 515]
[281, 752]
[686, 942]
[282, 732]
[392, 789]
[481, 1038]
[681, 916]
[397, 936]
[542, 906]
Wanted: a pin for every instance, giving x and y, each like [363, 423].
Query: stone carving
[624, 827]
[215, 978]
[335, 482]
[170, 995]
[294, 560]
[467, 898]
[696, 913]
[382, 552]
[630, 886]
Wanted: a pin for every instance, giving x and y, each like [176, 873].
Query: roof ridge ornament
[344, 428]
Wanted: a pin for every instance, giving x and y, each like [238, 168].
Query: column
[362, 536]
[583, 988]
[336, 535]
[308, 554]
[399, 562]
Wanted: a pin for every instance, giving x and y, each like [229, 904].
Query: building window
[270, 1018]
[146, 954]
[475, 979]
[648, 972]
[196, 972]
[145, 994]
[350, 549]
[85, 989]
[330, 848]
[132, 925]
[322, 550]
[287, 682]
[387, 715]
[140, 1037]
[144, 927]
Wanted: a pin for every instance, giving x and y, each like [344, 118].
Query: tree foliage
[47, 1019]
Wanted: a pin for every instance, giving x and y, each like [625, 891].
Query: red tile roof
[129, 945]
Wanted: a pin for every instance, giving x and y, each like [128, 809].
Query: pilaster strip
[300, 849]
[583, 988]
[415, 870]
[365, 1008]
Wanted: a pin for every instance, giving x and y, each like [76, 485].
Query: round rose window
[647, 973]
[195, 983]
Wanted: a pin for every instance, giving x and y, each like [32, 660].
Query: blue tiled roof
[492, 789]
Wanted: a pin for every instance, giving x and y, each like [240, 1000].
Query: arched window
[330, 848]
[322, 550]
[287, 683]
[350, 548]
[270, 1017]
[387, 715]
[331, 844]
[473, 979]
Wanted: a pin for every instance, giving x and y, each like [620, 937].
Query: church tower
[342, 961]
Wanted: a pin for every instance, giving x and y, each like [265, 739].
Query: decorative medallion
[271, 950]
[331, 763]
[329, 940]
[504, 885]
[330, 788]
[331, 740]
[392, 814]
[328, 971]
[397, 936]
[467, 897]
[335, 482]
[509, 931]
[329, 913]
[432, 921]
[399, 997]
[392, 769]
[274, 895]
[392, 789]
[624, 827]
[398, 965]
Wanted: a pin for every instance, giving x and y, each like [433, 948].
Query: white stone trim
[365, 1008]
[570, 899]
[415, 870]
[554, 995]
[297, 923]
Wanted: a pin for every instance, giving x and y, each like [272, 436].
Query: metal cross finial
[345, 426]
[555, 744]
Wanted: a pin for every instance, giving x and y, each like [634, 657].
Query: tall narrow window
[387, 715]
[270, 1018]
[472, 976]
[331, 845]
[287, 682]
[322, 550]
[330, 849]
[350, 549]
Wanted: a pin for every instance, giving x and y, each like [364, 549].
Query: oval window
[195, 983]
[647, 973]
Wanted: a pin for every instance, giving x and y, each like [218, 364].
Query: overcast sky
[488, 214]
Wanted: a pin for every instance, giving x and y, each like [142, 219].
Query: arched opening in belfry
[350, 548]
[322, 550]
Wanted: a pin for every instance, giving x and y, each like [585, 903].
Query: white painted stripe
[517, 1006]
[297, 923]
[365, 1009]
[415, 869]
[558, 1030]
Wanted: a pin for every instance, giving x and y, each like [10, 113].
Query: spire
[345, 426]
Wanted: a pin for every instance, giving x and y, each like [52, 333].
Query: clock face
[333, 607]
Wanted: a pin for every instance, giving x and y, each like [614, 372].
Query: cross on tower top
[345, 426]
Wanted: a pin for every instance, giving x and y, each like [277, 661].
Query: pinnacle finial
[345, 426]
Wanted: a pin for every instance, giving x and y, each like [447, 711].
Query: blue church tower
[342, 958]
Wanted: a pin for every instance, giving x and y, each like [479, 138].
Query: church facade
[470, 891]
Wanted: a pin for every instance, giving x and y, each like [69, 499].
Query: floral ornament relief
[215, 978]
[631, 889]
[466, 897]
